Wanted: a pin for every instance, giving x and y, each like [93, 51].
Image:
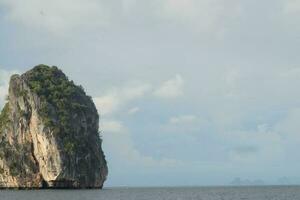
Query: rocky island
[49, 134]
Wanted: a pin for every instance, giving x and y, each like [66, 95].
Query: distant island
[49, 134]
[247, 182]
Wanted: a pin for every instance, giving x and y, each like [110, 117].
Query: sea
[160, 193]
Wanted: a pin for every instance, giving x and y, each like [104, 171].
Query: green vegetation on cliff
[60, 97]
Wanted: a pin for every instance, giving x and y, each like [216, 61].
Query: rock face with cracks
[49, 134]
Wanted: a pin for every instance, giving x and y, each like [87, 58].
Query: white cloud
[112, 126]
[119, 144]
[289, 127]
[186, 124]
[4, 83]
[133, 110]
[183, 119]
[68, 16]
[204, 15]
[118, 97]
[172, 88]
[107, 104]
[128, 5]
[292, 6]
[58, 16]
[261, 145]
[291, 15]
[232, 78]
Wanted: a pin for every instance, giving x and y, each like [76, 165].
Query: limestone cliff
[49, 134]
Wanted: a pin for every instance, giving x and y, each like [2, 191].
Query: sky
[190, 92]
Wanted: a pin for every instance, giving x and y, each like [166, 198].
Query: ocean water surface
[163, 193]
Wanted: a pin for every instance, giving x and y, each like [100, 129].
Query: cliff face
[49, 134]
